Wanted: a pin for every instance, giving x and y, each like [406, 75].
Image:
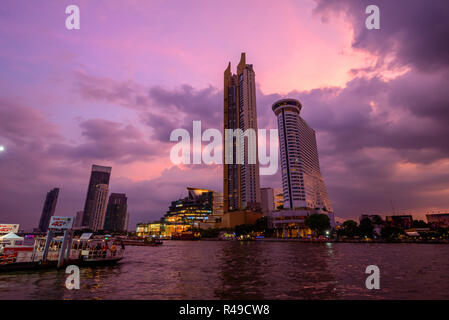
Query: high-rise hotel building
[302, 183]
[241, 182]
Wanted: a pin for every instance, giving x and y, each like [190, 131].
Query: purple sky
[111, 93]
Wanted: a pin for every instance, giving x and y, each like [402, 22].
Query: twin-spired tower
[241, 182]
[302, 183]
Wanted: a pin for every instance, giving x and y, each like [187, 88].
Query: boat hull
[26, 266]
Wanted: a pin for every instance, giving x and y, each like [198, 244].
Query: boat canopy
[11, 237]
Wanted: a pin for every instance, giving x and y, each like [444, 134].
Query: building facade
[200, 206]
[100, 175]
[302, 183]
[438, 220]
[267, 198]
[116, 213]
[49, 209]
[99, 211]
[400, 221]
[201, 209]
[278, 198]
[241, 181]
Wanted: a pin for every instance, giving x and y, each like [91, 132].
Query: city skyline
[112, 92]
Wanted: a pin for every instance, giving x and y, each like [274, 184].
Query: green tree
[419, 224]
[243, 229]
[391, 234]
[349, 229]
[318, 223]
[366, 228]
[261, 224]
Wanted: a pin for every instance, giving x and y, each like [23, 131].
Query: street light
[2, 148]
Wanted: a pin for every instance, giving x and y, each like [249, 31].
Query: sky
[111, 92]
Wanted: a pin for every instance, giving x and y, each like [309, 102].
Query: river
[249, 270]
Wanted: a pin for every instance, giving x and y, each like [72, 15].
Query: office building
[116, 213]
[267, 198]
[49, 209]
[100, 175]
[241, 181]
[99, 212]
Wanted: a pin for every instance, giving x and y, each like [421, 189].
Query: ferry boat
[83, 252]
[152, 242]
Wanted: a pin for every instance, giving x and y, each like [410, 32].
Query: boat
[83, 252]
[186, 235]
[226, 236]
[152, 242]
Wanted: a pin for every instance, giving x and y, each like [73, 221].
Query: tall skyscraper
[99, 213]
[241, 182]
[116, 213]
[49, 209]
[99, 176]
[302, 183]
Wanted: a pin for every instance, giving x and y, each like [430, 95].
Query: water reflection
[242, 271]
[249, 270]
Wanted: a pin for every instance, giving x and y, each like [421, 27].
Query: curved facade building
[302, 183]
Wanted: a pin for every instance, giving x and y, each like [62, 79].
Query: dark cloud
[161, 109]
[124, 93]
[415, 32]
[204, 104]
[18, 122]
[107, 141]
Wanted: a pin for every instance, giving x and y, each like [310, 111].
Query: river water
[249, 270]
